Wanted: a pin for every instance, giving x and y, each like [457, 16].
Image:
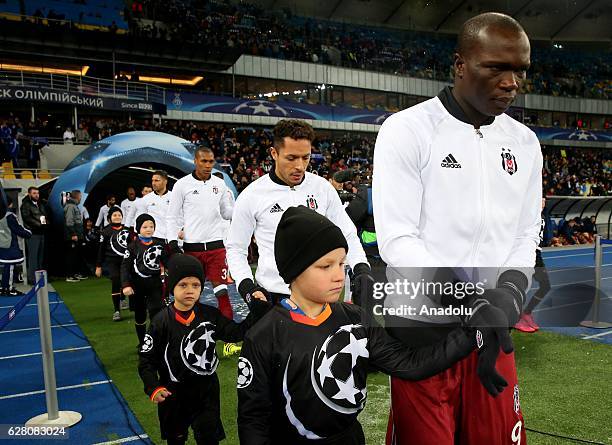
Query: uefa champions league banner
[547, 134]
[182, 101]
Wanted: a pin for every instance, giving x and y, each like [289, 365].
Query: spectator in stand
[569, 232]
[68, 136]
[589, 226]
[34, 214]
[82, 135]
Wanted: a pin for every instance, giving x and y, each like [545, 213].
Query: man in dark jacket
[34, 215]
[10, 252]
[73, 228]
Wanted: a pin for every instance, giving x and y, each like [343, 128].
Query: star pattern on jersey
[357, 348]
[347, 390]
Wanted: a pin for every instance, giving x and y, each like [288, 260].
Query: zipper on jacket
[483, 209]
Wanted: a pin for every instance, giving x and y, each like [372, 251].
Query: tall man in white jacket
[200, 205]
[156, 203]
[260, 206]
[457, 184]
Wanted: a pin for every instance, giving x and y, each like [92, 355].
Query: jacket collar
[274, 177]
[455, 110]
[194, 176]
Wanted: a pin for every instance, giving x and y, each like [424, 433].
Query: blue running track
[82, 384]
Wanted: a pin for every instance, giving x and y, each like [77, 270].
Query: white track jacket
[258, 211]
[446, 194]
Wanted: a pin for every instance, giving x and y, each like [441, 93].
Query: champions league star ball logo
[261, 107]
[337, 371]
[120, 242]
[151, 257]
[147, 343]
[582, 135]
[245, 373]
[198, 350]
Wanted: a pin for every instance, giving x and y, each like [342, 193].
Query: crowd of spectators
[278, 34]
[577, 172]
[243, 151]
[20, 142]
[220, 27]
[573, 231]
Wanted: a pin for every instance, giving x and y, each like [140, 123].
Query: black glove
[247, 288]
[362, 284]
[491, 329]
[173, 247]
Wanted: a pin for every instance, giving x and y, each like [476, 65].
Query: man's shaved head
[491, 62]
[472, 31]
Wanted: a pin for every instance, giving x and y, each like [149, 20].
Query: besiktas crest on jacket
[508, 161]
[311, 202]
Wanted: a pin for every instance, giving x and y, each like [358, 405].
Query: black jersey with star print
[178, 350]
[303, 379]
[142, 260]
[114, 239]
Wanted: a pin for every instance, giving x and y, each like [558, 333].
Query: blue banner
[548, 134]
[182, 101]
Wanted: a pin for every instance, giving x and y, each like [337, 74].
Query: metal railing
[85, 85]
[29, 173]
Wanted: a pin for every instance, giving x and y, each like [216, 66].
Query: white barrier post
[53, 416]
[595, 323]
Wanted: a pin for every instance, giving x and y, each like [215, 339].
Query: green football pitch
[566, 383]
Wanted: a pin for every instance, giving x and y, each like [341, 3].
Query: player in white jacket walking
[457, 184]
[260, 206]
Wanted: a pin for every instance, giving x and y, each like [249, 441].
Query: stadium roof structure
[557, 20]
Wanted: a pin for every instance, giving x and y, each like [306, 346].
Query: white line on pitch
[62, 388]
[32, 304]
[40, 353]
[123, 440]
[597, 335]
[546, 257]
[566, 305]
[36, 329]
[575, 268]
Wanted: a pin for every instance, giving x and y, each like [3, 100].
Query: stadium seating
[101, 13]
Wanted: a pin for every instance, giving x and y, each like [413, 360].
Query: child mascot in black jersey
[303, 369]
[178, 358]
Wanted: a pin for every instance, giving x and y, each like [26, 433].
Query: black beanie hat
[302, 237]
[112, 210]
[181, 266]
[141, 219]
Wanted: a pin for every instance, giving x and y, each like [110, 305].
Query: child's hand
[98, 272]
[162, 270]
[161, 396]
[259, 295]
[128, 291]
